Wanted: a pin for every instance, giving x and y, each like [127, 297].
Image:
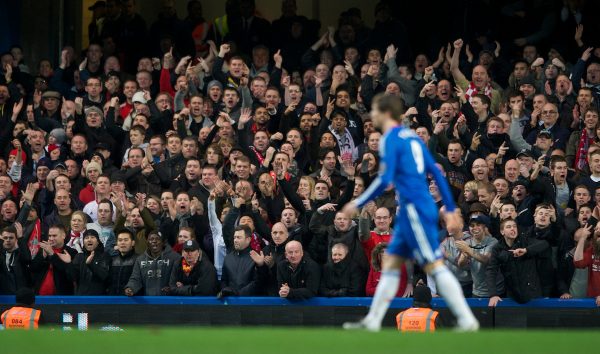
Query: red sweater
[593, 264]
[374, 277]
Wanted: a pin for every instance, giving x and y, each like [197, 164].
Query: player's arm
[386, 172]
[454, 223]
[440, 180]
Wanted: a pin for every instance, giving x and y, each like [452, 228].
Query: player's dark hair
[389, 104]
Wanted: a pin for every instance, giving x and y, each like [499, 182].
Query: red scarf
[187, 268]
[472, 91]
[582, 150]
[257, 243]
[259, 156]
[35, 238]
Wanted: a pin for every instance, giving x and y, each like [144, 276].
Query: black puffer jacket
[303, 281]
[278, 254]
[241, 276]
[521, 278]
[120, 271]
[91, 279]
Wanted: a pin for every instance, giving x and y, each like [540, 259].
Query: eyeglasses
[548, 112]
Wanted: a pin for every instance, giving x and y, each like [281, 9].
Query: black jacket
[241, 276]
[324, 237]
[17, 274]
[521, 278]
[63, 276]
[278, 254]
[544, 261]
[91, 278]
[121, 268]
[303, 281]
[202, 280]
[342, 279]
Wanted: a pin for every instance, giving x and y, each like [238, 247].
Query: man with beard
[122, 263]
[587, 255]
[91, 268]
[193, 274]
[515, 258]
[341, 275]
[152, 270]
[244, 270]
[328, 171]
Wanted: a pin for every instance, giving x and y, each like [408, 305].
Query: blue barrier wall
[271, 311]
[399, 303]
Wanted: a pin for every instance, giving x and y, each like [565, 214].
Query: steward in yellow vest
[23, 315]
[419, 318]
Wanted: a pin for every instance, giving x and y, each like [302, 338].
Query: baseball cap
[191, 245]
[545, 132]
[525, 152]
[480, 219]
[139, 97]
[60, 165]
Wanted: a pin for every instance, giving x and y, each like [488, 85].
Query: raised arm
[454, 63]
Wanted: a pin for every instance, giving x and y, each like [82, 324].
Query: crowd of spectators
[212, 158]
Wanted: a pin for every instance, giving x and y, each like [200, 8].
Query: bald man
[275, 253]
[298, 277]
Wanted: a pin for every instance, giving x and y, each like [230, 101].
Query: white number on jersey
[417, 153]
